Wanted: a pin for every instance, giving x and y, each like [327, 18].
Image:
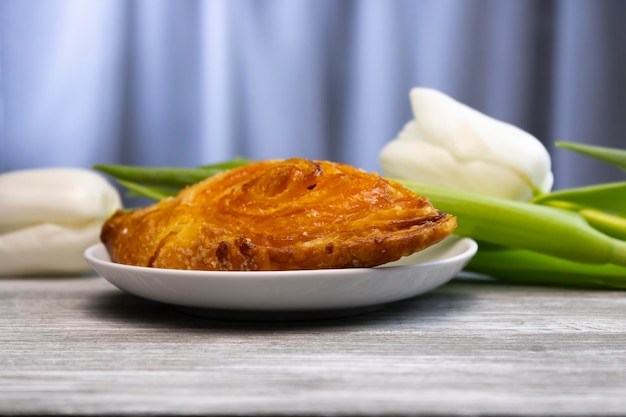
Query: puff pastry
[279, 215]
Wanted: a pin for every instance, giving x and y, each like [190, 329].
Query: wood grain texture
[80, 346]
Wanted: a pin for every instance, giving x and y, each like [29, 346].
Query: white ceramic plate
[285, 294]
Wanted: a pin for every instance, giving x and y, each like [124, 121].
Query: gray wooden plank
[80, 346]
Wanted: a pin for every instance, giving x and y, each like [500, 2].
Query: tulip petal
[47, 248]
[491, 156]
[54, 195]
[429, 163]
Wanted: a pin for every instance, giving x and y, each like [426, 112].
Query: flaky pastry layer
[279, 215]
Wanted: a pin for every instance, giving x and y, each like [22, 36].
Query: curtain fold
[588, 92]
[61, 69]
[156, 82]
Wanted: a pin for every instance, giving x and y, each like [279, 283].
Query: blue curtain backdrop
[188, 82]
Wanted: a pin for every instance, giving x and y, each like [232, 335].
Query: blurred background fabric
[184, 83]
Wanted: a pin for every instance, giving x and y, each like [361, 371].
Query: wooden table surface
[80, 346]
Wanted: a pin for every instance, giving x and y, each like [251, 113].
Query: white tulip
[49, 216]
[451, 145]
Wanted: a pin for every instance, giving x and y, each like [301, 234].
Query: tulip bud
[451, 145]
[48, 217]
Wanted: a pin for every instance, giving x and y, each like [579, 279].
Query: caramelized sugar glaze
[279, 215]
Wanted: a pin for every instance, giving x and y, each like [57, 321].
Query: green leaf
[533, 268]
[222, 166]
[153, 193]
[613, 156]
[160, 177]
[606, 197]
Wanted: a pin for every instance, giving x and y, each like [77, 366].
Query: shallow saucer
[289, 295]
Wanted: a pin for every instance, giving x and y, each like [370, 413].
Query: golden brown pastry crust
[279, 215]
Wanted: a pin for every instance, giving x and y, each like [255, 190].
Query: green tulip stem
[608, 223]
[541, 228]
